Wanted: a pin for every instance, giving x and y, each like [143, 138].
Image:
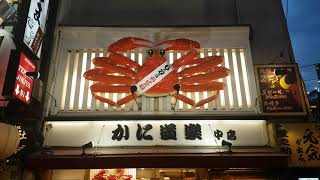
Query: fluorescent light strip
[90, 82]
[180, 102]
[237, 79]
[123, 94]
[140, 57]
[221, 92]
[229, 86]
[65, 81]
[106, 95]
[205, 93]
[83, 69]
[245, 78]
[170, 57]
[74, 80]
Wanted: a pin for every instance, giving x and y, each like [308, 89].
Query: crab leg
[198, 88]
[185, 60]
[118, 103]
[128, 43]
[99, 71]
[206, 66]
[115, 69]
[109, 79]
[220, 72]
[118, 59]
[204, 101]
[105, 87]
[184, 99]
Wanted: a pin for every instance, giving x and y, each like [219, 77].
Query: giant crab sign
[156, 77]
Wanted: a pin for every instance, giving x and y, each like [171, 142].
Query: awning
[158, 158]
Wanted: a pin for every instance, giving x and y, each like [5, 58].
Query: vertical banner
[301, 141]
[35, 27]
[23, 84]
[280, 89]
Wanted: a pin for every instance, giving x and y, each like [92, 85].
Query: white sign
[154, 77]
[35, 27]
[157, 133]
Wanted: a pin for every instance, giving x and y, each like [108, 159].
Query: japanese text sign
[280, 89]
[301, 141]
[158, 133]
[23, 84]
[35, 27]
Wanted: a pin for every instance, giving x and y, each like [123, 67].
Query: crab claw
[128, 43]
[180, 44]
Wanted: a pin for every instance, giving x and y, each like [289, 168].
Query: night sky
[304, 27]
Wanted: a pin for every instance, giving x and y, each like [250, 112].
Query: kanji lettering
[143, 135]
[218, 134]
[120, 133]
[192, 131]
[37, 13]
[231, 135]
[168, 132]
[308, 137]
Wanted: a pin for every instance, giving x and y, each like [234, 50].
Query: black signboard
[280, 90]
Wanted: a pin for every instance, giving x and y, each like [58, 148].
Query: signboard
[280, 90]
[158, 133]
[35, 27]
[301, 141]
[23, 84]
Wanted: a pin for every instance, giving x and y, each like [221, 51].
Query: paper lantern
[9, 140]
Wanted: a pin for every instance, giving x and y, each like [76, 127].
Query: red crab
[111, 174]
[119, 74]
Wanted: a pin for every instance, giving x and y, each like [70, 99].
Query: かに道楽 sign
[23, 85]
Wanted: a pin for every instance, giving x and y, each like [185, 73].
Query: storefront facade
[97, 125]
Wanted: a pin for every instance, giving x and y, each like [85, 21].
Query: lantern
[9, 140]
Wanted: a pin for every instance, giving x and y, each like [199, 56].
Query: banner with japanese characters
[280, 89]
[157, 133]
[35, 27]
[301, 141]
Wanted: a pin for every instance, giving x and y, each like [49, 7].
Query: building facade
[222, 84]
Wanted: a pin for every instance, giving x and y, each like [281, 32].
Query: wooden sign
[301, 141]
[280, 90]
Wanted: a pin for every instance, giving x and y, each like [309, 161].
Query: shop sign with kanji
[301, 141]
[23, 84]
[158, 133]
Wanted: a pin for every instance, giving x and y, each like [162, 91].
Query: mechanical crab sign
[156, 77]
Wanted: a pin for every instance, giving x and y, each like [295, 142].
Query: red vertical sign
[23, 84]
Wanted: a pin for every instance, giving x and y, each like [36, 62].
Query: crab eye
[150, 52]
[162, 52]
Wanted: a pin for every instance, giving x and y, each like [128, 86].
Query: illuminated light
[122, 96]
[197, 98]
[237, 79]
[83, 69]
[180, 69]
[217, 52]
[140, 57]
[205, 96]
[222, 100]
[170, 57]
[189, 96]
[65, 82]
[245, 78]
[308, 92]
[205, 93]
[229, 86]
[166, 178]
[202, 54]
[93, 55]
[74, 80]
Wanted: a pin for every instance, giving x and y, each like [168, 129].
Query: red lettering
[142, 86]
[153, 79]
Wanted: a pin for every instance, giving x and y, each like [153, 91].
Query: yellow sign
[301, 141]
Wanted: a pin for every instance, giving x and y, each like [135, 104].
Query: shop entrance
[160, 174]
